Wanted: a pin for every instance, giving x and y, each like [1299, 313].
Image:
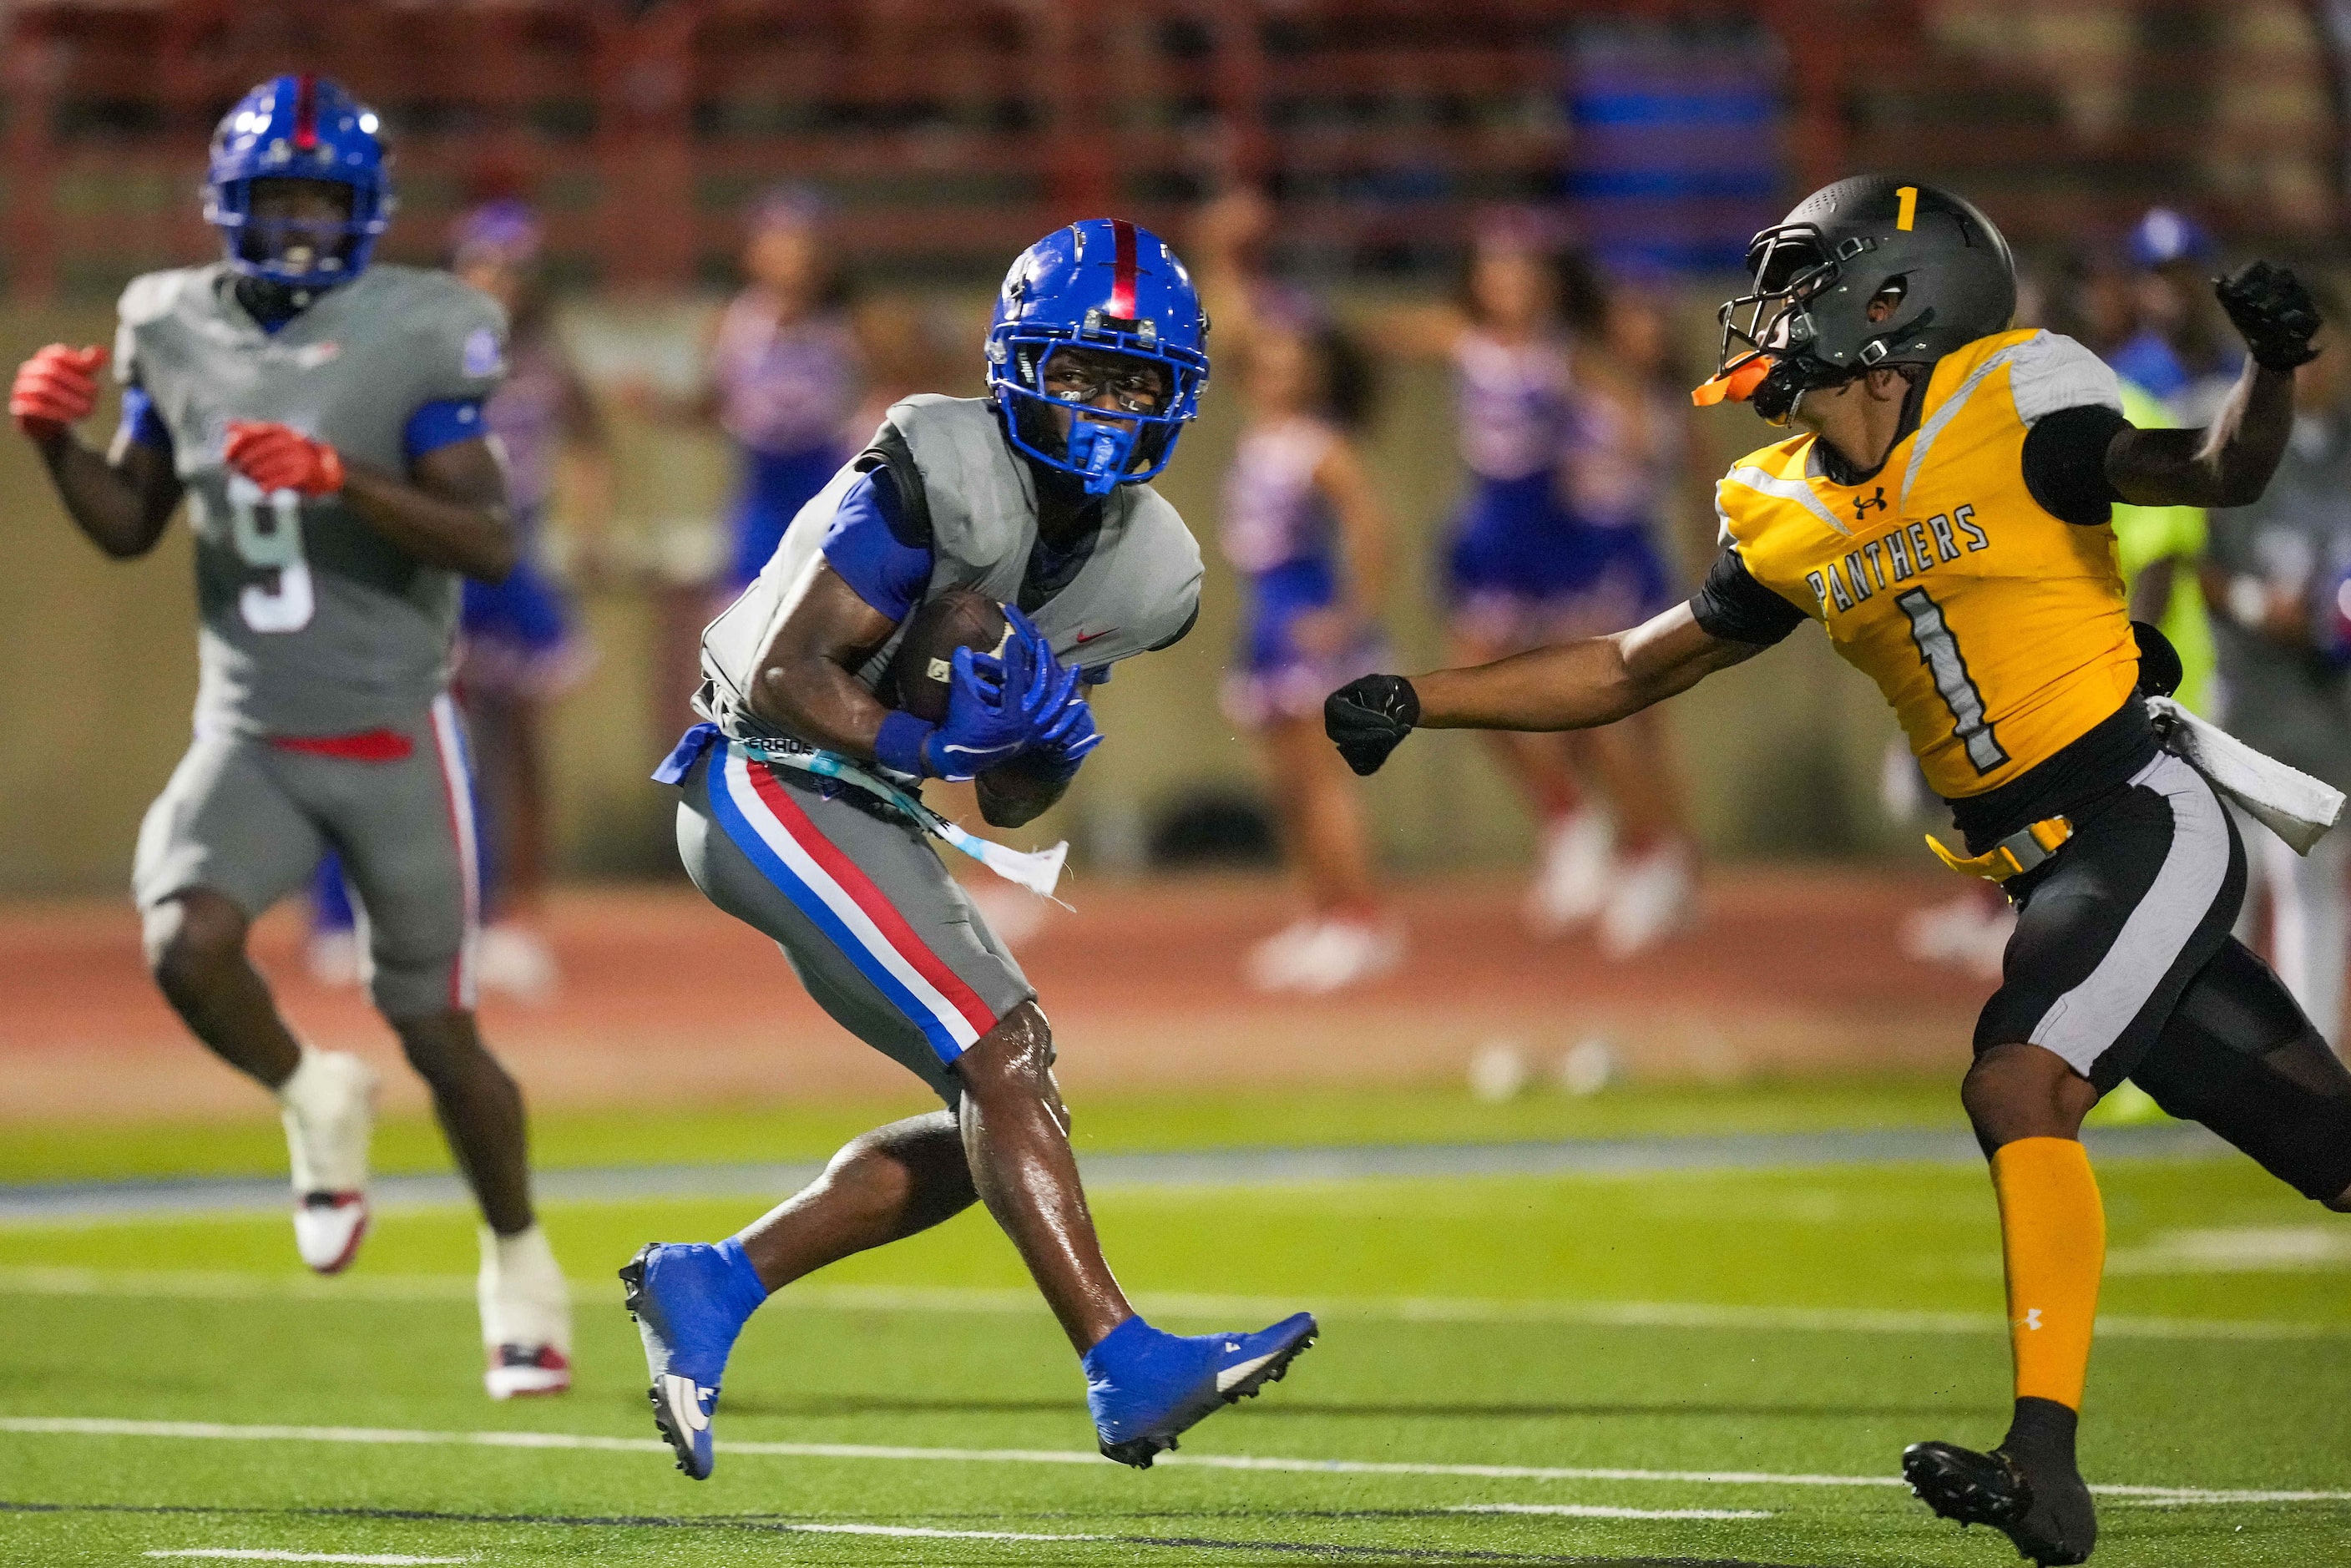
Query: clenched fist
[55, 389]
[278, 458]
[2273, 311]
[1368, 718]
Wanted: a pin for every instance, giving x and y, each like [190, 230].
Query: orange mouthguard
[1735, 385]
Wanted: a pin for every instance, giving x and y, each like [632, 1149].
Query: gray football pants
[855, 896]
[249, 817]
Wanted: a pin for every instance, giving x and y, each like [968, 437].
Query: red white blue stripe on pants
[760, 817]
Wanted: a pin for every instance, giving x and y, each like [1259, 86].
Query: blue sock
[740, 1282]
[1127, 1352]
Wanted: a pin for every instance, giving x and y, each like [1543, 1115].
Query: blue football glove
[988, 718]
[1064, 724]
[1061, 748]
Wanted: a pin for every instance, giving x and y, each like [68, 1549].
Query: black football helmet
[1806, 323]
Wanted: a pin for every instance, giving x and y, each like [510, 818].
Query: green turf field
[1126, 1123]
[1743, 1354]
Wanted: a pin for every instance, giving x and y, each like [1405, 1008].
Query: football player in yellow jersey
[1943, 515]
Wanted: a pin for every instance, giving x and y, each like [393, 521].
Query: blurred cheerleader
[1304, 531]
[1560, 412]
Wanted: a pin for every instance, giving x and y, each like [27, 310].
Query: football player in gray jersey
[322, 418]
[798, 815]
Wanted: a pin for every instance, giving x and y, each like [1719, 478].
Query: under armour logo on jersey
[1860, 504]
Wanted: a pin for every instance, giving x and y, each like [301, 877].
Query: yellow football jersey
[1997, 632]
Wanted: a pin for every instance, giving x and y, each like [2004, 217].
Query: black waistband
[2100, 762]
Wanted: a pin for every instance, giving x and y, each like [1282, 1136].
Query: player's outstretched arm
[122, 500]
[2229, 463]
[1575, 685]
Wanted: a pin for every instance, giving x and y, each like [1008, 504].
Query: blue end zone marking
[810, 903]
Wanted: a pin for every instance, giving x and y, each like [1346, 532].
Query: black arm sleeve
[2066, 463]
[1736, 607]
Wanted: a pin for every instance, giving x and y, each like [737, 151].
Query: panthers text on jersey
[1998, 630]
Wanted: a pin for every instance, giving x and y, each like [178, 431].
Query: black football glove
[1369, 718]
[2269, 305]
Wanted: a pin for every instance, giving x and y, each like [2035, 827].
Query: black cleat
[2051, 1521]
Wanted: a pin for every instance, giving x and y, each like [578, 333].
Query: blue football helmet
[1101, 284]
[297, 128]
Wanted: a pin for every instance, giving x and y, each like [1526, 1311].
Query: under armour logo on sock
[2032, 1319]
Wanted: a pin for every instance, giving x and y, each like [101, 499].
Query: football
[919, 673]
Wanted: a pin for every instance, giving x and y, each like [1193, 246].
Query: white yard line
[910, 1530]
[216, 1431]
[243, 1554]
[203, 1284]
[1595, 1510]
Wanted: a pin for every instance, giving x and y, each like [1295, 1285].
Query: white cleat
[515, 961]
[328, 1110]
[1272, 963]
[527, 1372]
[1655, 895]
[1969, 933]
[1330, 955]
[333, 959]
[1573, 879]
[526, 1307]
[328, 1228]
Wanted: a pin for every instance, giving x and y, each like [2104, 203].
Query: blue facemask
[1101, 450]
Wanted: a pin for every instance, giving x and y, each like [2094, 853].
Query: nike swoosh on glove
[986, 722]
[1369, 718]
[2274, 312]
[55, 389]
[279, 457]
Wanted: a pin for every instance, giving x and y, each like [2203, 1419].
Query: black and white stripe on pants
[2112, 929]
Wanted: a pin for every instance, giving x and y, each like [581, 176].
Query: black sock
[2041, 1436]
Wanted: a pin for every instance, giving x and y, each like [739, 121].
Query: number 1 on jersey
[289, 606]
[1939, 650]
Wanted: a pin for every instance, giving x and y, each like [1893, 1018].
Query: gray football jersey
[310, 623]
[1131, 587]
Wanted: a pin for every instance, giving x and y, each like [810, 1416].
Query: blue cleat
[1146, 1387]
[690, 1300]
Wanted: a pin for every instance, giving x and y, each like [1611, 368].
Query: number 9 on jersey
[275, 545]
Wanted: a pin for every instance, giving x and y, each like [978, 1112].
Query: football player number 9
[266, 529]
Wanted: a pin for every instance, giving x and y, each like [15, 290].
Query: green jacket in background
[2145, 535]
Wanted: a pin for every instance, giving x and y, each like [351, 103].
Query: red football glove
[277, 457]
[55, 388]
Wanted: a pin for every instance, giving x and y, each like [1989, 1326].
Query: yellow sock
[2053, 1233]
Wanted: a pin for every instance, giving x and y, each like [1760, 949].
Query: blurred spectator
[785, 379]
[519, 646]
[1309, 541]
[786, 376]
[2096, 302]
[2183, 351]
[2278, 578]
[1524, 570]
